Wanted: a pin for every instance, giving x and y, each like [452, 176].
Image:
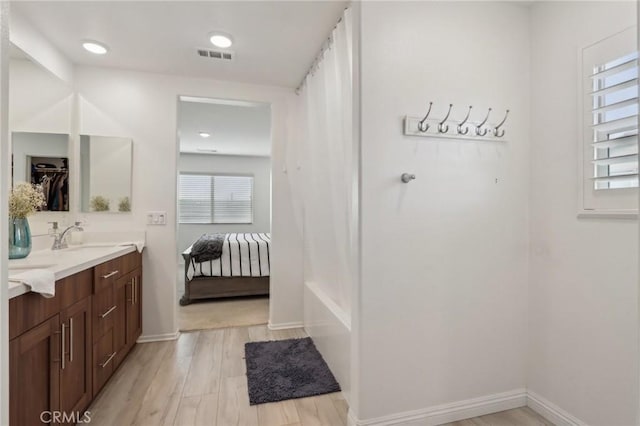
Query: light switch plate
[156, 218]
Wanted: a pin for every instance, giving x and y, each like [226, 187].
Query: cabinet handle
[62, 344]
[135, 290]
[104, 364]
[111, 309]
[70, 339]
[110, 274]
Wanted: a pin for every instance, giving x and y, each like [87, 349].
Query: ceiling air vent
[217, 54]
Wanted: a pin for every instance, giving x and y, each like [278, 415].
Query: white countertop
[68, 261]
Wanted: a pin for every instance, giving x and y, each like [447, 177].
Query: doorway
[224, 213]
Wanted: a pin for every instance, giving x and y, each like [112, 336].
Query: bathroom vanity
[64, 349]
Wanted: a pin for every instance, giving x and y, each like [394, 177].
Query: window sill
[608, 214]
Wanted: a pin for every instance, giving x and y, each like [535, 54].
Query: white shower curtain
[326, 162]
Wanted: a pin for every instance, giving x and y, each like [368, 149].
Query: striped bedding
[243, 255]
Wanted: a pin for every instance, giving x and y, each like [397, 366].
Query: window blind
[215, 199]
[614, 109]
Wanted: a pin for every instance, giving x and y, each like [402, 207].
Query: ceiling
[236, 128]
[274, 41]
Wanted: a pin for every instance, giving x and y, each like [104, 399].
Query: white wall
[109, 169]
[444, 258]
[40, 49]
[143, 106]
[39, 101]
[258, 167]
[583, 353]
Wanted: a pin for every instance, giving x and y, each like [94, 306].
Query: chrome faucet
[59, 242]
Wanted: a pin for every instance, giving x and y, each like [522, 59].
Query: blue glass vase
[19, 238]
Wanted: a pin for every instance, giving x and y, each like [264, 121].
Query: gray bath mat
[286, 369]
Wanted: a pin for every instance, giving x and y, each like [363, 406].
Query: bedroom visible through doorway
[224, 213]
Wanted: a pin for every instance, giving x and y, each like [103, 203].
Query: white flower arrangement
[24, 200]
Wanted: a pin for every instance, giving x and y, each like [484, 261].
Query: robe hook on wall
[463, 122]
[423, 126]
[444, 128]
[496, 131]
[479, 130]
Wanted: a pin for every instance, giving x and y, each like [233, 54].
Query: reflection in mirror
[105, 174]
[41, 158]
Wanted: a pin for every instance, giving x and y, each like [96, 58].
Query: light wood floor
[200, 379]
[524, 416]
[222, 313]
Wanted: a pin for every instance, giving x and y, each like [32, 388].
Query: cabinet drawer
[105, 310]
[30, 309]
[103, 359]
[130, 262]
[106, 274]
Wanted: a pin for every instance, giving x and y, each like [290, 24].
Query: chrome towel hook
[479, 130]
[442, 128]
[423, 126]
[496, 131]
[407, 177]
[462, 123]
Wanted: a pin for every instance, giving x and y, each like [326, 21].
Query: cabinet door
[134, 308]
[34, 379]
[75, 372]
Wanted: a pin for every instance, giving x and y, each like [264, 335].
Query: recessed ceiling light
[221, 40]
[95, 47]
[205, 134]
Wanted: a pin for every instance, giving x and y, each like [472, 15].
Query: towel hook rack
[423, 126]
[462, 123]
[479, 130]
[496, 131]
[442, 128]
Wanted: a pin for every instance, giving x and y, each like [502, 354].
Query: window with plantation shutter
[215, 199]
[610, 124]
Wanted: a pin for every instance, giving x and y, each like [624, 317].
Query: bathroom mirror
[42, 159]
[105, 173]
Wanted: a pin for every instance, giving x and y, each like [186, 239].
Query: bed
[243, 269]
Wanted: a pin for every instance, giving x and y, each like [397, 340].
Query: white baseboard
[551, 412]
[450, 412]
[285, 325]
[158, 337]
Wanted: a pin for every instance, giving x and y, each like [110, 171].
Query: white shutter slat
[624, 66]
[617, 105]
[622, 142]
[614, 178]
[617, 125]
[620, 86]
[630, 158]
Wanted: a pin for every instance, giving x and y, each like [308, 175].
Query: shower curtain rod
[318, 58]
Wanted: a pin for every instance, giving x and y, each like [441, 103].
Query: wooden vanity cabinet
[64, 349]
